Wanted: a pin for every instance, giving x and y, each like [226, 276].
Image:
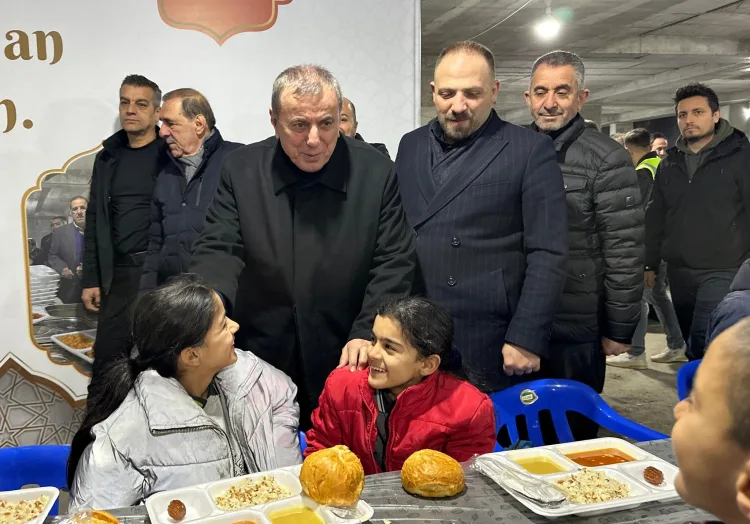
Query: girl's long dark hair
[427, 327]
[172, 317]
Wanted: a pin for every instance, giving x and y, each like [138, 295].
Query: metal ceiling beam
[684, 74]
[449, 15]
[676, 45]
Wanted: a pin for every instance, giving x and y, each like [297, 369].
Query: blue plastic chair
[41, 465]
[559, 397]
[302, 442]
[685, 377]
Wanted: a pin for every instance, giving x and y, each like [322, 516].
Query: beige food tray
[630, 473]
[201, 508]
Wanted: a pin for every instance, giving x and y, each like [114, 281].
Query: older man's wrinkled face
[78, 211]
[184, 136]
[554, 98]
[464, 92]
[348, 124]
[307, 127]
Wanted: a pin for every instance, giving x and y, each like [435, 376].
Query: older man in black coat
[306, 236]
[487, 204]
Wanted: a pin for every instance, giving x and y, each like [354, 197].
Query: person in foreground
[188, 409]
[711, 437]
[412, 397]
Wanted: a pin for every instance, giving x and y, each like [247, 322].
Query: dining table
[482, 502]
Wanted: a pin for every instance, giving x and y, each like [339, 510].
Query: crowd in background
[543, 246]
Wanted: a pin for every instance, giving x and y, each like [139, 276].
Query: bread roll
[102, 517]
[333, 477]
[429, 473]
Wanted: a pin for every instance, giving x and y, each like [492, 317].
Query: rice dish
[590, 487]
[22, 511]
[250, 492]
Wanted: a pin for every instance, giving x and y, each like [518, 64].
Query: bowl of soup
[593, 458]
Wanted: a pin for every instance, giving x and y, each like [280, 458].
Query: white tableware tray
[201, 507]
[80, 353]
[39, 310]
[630, 473]
[31, 494]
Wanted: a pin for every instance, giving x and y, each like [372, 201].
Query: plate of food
[26, 506]
[38, 313]
[78, 343]
[224, 497]
[326, 490]
[581, 478]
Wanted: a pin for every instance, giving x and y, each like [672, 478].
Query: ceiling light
[549, 26]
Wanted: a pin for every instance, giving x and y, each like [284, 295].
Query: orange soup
[600, 457]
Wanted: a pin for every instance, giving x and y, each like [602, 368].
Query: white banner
[61, 70]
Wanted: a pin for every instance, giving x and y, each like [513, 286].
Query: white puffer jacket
[160, 439]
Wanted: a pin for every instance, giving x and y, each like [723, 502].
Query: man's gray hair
[562, 58]
[304, 80]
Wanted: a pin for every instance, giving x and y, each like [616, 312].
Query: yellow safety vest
[651, 164]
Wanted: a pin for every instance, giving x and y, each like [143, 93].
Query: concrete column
[738, 115]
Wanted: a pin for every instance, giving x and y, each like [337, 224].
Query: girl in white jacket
[188, 409]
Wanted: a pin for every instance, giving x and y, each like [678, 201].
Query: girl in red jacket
[410, 397]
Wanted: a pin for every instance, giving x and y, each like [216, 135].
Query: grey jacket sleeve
[105, 479]
[620, 226]
[55, 262]
[284, 417]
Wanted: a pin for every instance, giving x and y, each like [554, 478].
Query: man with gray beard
[600, 307]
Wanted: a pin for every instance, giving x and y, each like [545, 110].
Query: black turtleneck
[445, 155]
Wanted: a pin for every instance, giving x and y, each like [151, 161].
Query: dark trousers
[695, 295]
[580, 362]
[113, 328]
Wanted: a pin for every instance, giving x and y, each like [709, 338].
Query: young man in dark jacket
[601, 302]
[699, 218]
[117, 218]
[638, 144]
[186, 186]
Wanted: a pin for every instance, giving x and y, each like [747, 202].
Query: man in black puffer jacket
[186, 186]
[600, 307]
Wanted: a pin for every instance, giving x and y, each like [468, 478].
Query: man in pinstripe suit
[487, 205]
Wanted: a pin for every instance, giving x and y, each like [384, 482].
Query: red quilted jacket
[442, 413]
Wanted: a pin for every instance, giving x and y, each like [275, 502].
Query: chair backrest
[41, 465]
[302, 442]
[558, 397]
[685, 377]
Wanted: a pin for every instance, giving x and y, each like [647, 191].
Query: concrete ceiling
[637, 52]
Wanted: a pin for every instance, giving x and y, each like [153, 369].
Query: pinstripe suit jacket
[491, 241]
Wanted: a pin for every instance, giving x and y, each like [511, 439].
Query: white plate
[283, 478]
[201, 508]
[630, 473]
[31, 494]
[44, 295]
[239, 516]
[197, 505]
[80, 353]
[41, 311]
